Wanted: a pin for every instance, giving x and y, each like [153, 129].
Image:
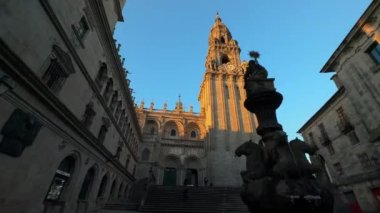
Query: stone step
[199, 199]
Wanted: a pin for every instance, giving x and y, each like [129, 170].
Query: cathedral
[180, 146]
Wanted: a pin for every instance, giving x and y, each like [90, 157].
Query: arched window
[61, 179]
[102, 187]
[145, 155]
[225, 59]
[108, 91]
[87, 184]
[193, 134]
[101, 76]
[222, 40]
[173, 133]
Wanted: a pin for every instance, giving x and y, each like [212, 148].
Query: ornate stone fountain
[279, 178]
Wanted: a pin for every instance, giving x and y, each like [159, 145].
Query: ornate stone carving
[278, 176]
[19, 132]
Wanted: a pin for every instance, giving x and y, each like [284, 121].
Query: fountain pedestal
[279, 178]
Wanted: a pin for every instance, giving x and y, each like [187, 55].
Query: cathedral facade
[179, 145]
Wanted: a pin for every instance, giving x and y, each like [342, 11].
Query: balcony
[182, 143]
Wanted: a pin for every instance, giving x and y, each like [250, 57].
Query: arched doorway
[170, 177]
[85, 190]
[170, 164]
[192, 177]
[54, 200]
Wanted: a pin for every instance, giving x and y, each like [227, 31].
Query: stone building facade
[346, 128]
[222, 125]
[69, 134]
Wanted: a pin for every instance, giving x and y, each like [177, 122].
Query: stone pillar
[246, 117]
[232, 104]
[221, 112]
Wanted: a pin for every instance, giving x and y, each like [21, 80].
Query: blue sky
[165, 45]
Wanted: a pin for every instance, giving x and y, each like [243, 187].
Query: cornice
[105, 29]
[346, 41]
[22, 73]
[55, 21]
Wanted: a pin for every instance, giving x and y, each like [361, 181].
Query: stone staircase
[122, 206]
[199, 199]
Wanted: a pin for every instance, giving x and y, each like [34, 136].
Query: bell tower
[221, 98]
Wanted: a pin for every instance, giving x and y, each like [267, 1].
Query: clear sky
[165, 44]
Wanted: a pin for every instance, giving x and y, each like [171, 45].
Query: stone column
[247, 125]
[232, 104]
[221, 112]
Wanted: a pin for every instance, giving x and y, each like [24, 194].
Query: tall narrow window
[101, 77]
[374, 52]
[311, 137]
[89, 114]
[108, 90]
[173, 133]
[338, 168]
[113, 101]
[193, 134]
[324, 137]
[82, 27]
[345, 124]
[61, 179]
[59, 69]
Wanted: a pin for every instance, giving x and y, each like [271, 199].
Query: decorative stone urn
[279, 178]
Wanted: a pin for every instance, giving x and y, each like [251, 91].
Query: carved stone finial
[151, 105]
[142, 104]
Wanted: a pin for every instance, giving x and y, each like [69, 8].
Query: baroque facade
[346, 128]
[180, 145]
[69, 134]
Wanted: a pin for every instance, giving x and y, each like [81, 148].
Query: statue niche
[18, 132]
